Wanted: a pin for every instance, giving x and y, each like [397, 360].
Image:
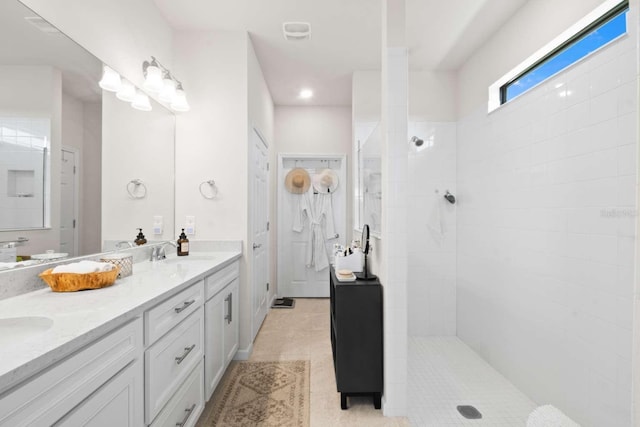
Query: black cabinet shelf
[356, 338]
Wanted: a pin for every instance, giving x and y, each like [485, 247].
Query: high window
[607, 26]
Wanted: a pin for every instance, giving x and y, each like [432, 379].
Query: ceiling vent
[296, 31]
[41, 24]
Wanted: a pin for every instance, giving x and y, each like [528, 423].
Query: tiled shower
[533, 267]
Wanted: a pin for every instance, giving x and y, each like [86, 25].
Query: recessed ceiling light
[305, 94]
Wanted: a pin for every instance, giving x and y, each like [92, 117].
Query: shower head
[417, 142]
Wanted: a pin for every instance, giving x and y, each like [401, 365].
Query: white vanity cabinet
[221, 323]
[104, 374]
[174, 330]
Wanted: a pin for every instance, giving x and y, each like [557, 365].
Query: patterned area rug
[263, 394]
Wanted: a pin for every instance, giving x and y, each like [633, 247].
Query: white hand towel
[83, 267]
[549, 416]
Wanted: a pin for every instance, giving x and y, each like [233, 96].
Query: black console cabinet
[356, 338]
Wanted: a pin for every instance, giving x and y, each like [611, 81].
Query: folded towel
[84, 267]
[549, 416]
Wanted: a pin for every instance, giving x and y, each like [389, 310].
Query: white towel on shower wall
[549, 416]
[434, 218]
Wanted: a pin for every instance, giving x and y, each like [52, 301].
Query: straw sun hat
[325, 181]
[297, 181]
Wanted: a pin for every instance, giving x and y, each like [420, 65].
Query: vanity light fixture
[152, 76]
[141, 101]
[168, 92]
[158, 79]
[127, 92]
[179, 102]
[111, 80]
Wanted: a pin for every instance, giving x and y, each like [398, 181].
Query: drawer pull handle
[229, 316]
[184, 306]
[187, 350]
[186, 417]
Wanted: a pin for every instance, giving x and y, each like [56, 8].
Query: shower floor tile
[443, 373]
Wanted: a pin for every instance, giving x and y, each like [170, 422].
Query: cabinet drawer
[50, 395]
[218, 280]
[186, 405]
[117, 403]
[170, 360]
[164, 316]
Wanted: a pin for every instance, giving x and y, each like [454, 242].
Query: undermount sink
[183, 259]
[15, 329]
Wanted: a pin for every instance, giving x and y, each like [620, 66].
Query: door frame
[76, 194]
[280, 189]
[255, 328]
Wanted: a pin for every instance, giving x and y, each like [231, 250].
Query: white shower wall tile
[432, 242]
[546, 237]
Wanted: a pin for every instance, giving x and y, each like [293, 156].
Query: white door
[259, 230]
[295, 279]
[68, 201]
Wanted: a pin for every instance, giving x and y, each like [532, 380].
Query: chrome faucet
[158, 253]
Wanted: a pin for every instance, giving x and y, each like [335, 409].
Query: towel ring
[132, 188]
[214, 189]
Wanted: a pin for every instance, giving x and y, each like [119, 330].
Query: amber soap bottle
[183, 244]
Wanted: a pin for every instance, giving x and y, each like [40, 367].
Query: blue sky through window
[573, 52]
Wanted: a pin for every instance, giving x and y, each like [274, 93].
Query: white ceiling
[29, 46]
[346, 36]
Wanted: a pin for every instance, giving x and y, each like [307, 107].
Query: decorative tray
[71, 282]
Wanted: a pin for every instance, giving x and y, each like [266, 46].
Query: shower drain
[469, 412]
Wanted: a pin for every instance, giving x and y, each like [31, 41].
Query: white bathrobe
[318, 209]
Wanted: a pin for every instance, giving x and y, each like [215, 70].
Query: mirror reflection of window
[24, 144]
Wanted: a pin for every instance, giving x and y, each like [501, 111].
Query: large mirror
[68, 150]
[369, 181]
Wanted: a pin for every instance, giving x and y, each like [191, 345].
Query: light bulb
[127, 92]
[110, 80]
[168, 92]
[141, 101]
[153, 79]
[179, 102]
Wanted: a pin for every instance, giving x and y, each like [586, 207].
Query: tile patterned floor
[303, 333]
[444, 373]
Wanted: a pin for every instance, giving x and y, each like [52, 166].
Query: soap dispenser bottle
[140, 239]
[183, 244]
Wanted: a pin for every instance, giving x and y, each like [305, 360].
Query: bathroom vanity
[133, 354]
[356, 338]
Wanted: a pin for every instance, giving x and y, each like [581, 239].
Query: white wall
[432, 96]
[546, 224]
[211, 140]
[141, 146]
[431, 280]
[82, 129]
[91, 170]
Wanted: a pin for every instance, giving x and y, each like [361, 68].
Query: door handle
[257, 245]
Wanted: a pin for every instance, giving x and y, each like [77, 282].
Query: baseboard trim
[244, 354]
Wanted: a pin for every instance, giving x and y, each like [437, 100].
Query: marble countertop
[78, 318]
